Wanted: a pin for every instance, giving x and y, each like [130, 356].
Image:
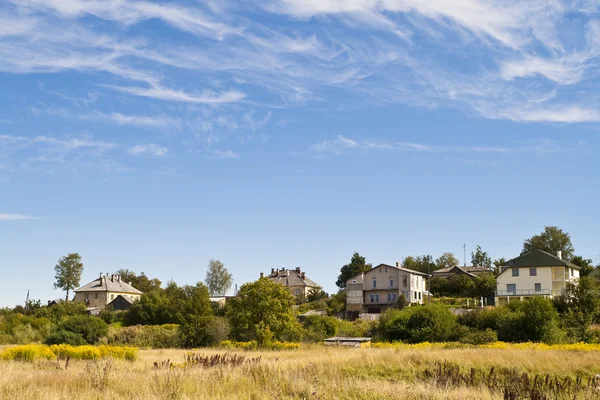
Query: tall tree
[68, 273]
[446, 260]
[481, 258]
[585, 264]
[420, 263]
[263, 311]
[497, 263]
[218, 279]
[357, 266]
[140, 282]
[551, 240]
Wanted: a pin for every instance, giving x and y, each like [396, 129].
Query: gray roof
[106, 284]
[291, 277]
[538, 258]
[469, 269]
[411, 271]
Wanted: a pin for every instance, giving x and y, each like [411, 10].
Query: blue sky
[157, 135]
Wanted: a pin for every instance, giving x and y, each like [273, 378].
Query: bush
[319, 327]
[217, 330]
[429, 323]
[154, 336]
[66, 337]
[32, 352]
[91, 329]
[479, 337]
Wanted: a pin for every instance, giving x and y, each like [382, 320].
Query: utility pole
[465, 254]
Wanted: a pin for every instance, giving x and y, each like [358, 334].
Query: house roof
[411, 271]
[469, 269]
[292, 277]
[108, 283]
[123, 298]
[595, 272]
[537, 258]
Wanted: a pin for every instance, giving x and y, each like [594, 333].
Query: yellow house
[534, 274]
[101, 292]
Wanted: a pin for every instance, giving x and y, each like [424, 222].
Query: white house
[381, 286]
[536, 273]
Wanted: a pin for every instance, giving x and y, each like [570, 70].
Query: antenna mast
[465, 254]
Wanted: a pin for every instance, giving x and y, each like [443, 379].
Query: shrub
[28, 352]
[429, 323]
[217, 330]
[66, 337]
[479, 337]
[319, 327]
[91, 329]
[154, 336]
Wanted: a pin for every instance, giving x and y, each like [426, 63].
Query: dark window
[511, 288]
[391, 283]
[515, 272]
[374, 283]
[538, 287]
[377, 297]
[532, 271]
[404, 281]
[372, 298]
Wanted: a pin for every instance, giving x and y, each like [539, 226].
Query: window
[297, 292]
[391, 282]
[415, 294]
[386, 270]
[372, 298]
[532, 271]
[391, 297]
[112, 296]
[404, 281]
[511, 288]
[538, 287]
[419, 295]
[376, 297]
[353, 280]
[374, 283]
[515, 272]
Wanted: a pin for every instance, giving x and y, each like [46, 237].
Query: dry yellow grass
[315, 373]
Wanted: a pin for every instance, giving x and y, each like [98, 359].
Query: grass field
[314, 373]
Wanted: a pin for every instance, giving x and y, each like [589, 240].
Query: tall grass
[315, 373]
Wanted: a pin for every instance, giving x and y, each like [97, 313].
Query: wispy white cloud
[14, 217]
[160, 121]
[161, 93]
[227, 154]
[342, 145]
[148, 149]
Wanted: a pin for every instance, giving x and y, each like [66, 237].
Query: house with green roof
[534, 274]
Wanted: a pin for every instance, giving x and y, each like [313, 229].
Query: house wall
[550, 281]
[101, 299]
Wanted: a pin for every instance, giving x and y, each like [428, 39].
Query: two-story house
[107, 290]
[295, 280]
[381, 286]
[536, 273]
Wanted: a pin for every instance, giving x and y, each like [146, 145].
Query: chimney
[398, 264]
[559, 254]
[101, 275]
[303, 275]
[298, 269]
[287, 272]
[262, 275]
[272, 270]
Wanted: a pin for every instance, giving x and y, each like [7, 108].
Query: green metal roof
[538, 258]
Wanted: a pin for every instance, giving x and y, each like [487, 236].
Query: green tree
[579, 306]
[446, 260]
[551, 240]
[68, 273]
[336, 304]
[481, 258]
[586, 265]
[484, 285]
[497, 264]
[218, 279]
[262, 311]
[420, 263]
[140, 282]
[316, 295]
[357, 266]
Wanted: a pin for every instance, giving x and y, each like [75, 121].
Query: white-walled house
[533, 274]
[381, 286]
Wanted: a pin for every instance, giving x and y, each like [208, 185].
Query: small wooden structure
[349, 341]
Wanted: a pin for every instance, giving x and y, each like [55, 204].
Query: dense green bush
[153, 336]
[217, 330]
[65, 337]
[429, 323]
[91, 329]
[319, 327]
[479, 337]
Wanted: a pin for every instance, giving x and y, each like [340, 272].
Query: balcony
[524, 292]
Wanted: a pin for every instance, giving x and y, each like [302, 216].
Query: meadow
[316, 372]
